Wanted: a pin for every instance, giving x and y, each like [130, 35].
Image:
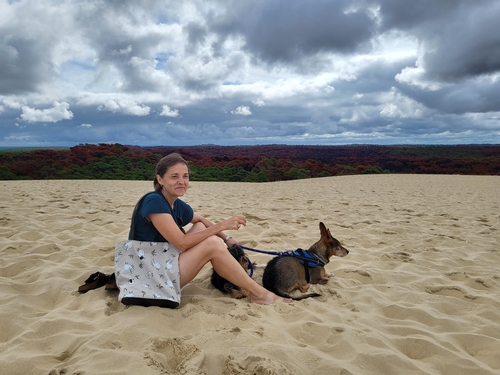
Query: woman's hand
[235, 222]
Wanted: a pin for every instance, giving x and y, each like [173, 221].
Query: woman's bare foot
[267, 298]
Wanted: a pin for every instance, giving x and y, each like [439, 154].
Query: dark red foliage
[458, 159]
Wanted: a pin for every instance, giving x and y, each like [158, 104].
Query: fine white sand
[419, 292]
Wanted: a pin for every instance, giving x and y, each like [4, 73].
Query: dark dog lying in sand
[227, 287]
[286, 273]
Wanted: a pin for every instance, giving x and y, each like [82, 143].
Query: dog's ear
[326, 236]
[323, 230]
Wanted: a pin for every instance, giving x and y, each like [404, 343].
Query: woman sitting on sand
[162, 216]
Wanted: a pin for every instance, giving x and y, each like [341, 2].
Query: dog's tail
[303, 296]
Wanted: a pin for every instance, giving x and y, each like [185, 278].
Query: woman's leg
[213, 250]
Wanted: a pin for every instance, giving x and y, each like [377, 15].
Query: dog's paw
[323, 280]
[238, 294]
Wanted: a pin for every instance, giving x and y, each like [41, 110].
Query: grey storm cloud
[25, 59]
[286, 30]
[248, 72]
[459, 38]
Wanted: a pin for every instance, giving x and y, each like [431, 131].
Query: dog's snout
[343, 251]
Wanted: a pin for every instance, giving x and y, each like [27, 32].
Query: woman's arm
[207, 223]
[167, 227]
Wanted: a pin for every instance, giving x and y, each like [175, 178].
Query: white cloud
[399, 106]
[283, 87]
[166, 111]
[125, 106]
[259, 102]
[242, 110]
[123, 51]
[20, 138]
[12, 103]
[416, 76]
[59, 112]
[85, 125]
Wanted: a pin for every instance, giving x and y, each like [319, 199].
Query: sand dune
[418, 294]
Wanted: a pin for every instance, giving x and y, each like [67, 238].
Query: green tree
[296, 173]
[6, 174]
[256, 175]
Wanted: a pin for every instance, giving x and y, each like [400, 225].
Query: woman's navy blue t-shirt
[155, 203]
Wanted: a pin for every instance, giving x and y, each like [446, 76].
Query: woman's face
[175, 181]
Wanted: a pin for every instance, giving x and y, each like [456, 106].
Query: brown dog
[226, 286]
[285, 273]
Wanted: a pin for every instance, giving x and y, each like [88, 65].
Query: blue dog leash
[250, 266]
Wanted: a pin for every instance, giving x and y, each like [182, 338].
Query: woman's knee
[215, 243]
[210, 247]
[196, 227]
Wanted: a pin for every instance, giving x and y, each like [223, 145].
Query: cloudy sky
[233, 72]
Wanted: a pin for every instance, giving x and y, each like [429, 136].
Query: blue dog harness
[306, 258]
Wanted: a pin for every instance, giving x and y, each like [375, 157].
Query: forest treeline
[261, 163]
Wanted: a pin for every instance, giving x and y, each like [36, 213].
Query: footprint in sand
[482, 282]
[61, 371]
[399, 255]
[418, 348]
[251, 217]
[254, 364]
[450, 291]
[360, 275]
[114, 306]
[256, 220]
[173, 355]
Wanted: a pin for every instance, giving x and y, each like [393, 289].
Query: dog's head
[240, 255]
[328, 246]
